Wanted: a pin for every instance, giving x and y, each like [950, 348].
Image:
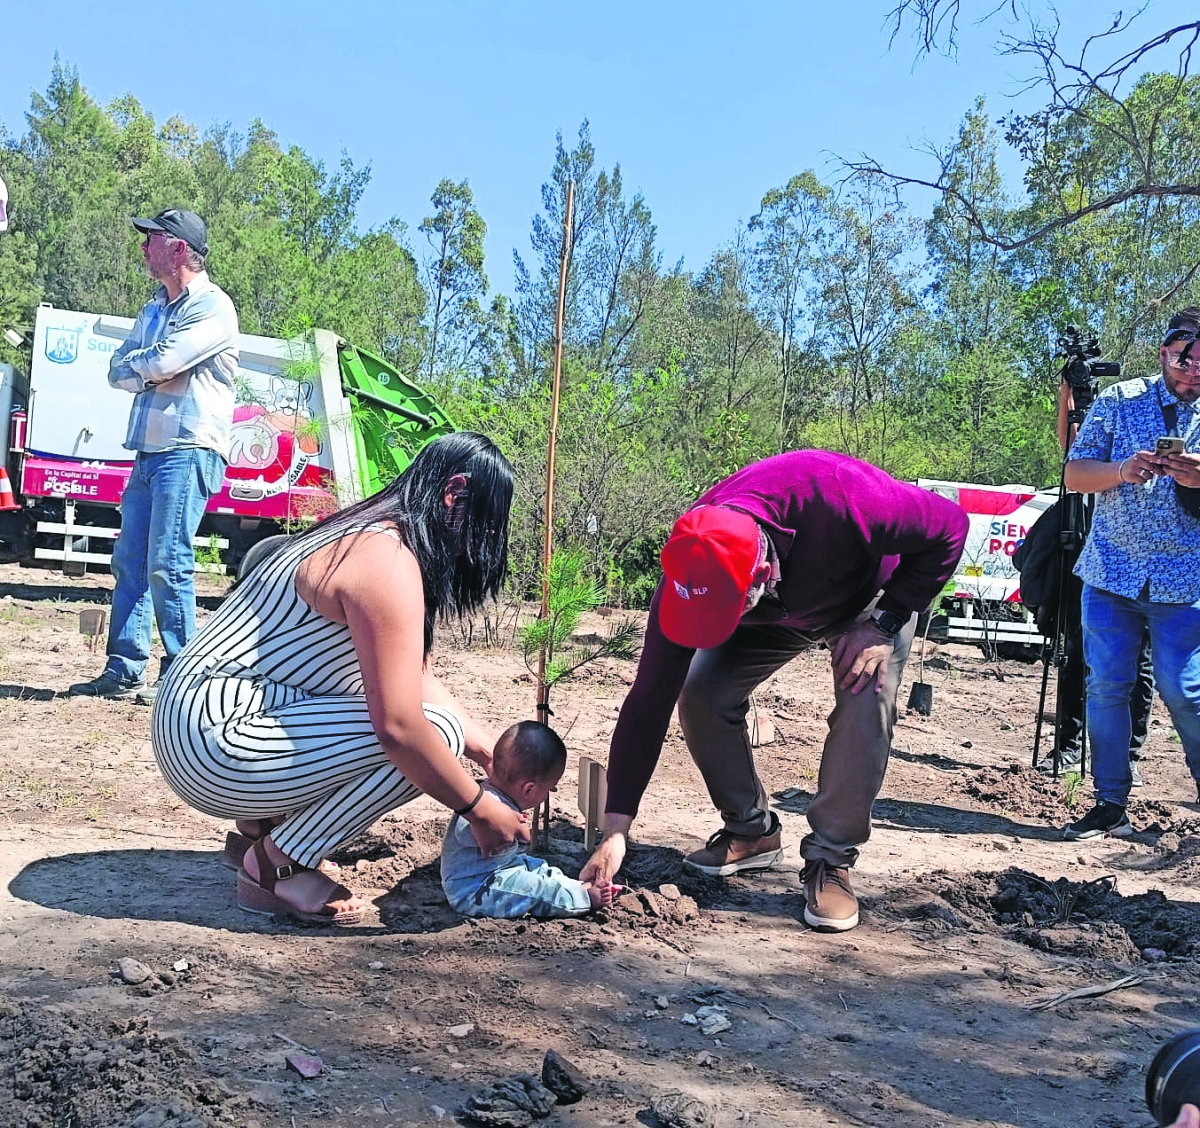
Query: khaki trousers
[712, 712]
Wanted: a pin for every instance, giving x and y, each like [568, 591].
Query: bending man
[793, 551]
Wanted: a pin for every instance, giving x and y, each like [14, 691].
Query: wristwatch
[888, 622]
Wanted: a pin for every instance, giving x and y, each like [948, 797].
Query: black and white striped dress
[263, 713]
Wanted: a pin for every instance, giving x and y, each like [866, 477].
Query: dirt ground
[974, 910]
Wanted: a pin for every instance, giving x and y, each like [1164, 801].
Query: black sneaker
[1103, 818]
[106, 686]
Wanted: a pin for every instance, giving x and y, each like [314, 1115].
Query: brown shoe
[726, 853]
[829, 902]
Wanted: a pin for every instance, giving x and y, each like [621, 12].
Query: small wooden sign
[593, 793]
[92, 623]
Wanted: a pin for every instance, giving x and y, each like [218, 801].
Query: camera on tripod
[1082, 370]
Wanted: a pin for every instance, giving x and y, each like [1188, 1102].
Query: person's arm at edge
[637, 741]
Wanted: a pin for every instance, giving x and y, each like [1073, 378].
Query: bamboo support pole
[543, 690]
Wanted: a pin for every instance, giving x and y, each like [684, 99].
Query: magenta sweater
[844, 531]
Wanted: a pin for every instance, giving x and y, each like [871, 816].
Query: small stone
[630, 903]
[438, 1111]
[713, 1020]
[1154, 955]
[362, 865]
[1168, 843]
[1006, 726]
[671, 892]
[967, 744]
[689, 1019]
[682, 1110]
[1002, 846]
[513, 1103]
[180, 965]
[656, 906]
[662, 1002]
[168, 977]
[706, 1060]
[133, 971]
[1027, 919]
[376, 965]
[686, 909]
[563, 1079]
[461, 1030]
[305, 1064]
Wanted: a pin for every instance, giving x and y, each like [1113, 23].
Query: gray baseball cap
[181, 224]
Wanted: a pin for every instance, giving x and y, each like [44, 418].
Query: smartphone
[1168, 444]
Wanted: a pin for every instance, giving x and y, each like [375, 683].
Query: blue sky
[705, 105]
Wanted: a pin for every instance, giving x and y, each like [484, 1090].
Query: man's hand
[602, 866]
[1141, 467]
[1183, 467]
[861, 654]
[496, 825]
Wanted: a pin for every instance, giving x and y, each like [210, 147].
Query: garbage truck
[317, 425]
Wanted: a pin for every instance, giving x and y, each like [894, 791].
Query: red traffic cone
[7, 501]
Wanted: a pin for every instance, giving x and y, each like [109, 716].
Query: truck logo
[62, 345]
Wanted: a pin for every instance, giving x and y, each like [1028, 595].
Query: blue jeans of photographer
[1112, 636]
[153, 561]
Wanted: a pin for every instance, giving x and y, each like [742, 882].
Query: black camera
[1082, 370]
[1173, 1078]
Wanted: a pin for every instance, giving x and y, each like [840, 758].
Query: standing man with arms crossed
[180, 361]
[803, 548]
[1141, 564]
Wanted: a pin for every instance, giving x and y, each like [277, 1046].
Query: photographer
[1059, 614]
[1138, 565]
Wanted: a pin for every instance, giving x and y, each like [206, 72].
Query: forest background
[835, 318]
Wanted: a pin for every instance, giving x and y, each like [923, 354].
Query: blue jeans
[1112, 636]
[153, 561]
[518, 886]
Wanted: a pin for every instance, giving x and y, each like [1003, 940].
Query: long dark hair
[463, 553]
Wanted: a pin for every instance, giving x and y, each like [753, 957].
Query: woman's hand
[496, 825]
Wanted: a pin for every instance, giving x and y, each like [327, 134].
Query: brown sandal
[237, 843]
[259, 896]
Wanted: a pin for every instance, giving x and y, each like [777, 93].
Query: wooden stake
[543, 690]
[593, 792]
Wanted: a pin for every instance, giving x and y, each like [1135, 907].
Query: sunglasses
[1184, 364]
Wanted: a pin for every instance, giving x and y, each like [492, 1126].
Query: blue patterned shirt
[1140, 535]
[181, 361]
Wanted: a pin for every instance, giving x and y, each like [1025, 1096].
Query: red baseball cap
[709, 561]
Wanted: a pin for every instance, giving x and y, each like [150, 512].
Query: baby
[529, 759]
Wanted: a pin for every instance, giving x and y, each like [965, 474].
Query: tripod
[1062, 644]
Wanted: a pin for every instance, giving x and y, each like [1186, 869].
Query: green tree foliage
[454, 272]
[282, 230]
[835, 318]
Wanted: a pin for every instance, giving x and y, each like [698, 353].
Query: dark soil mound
[1068, 917]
